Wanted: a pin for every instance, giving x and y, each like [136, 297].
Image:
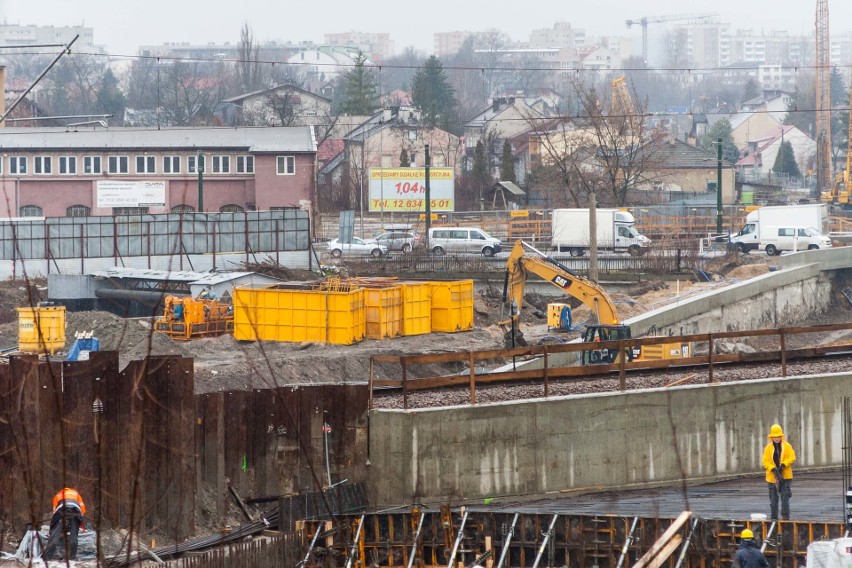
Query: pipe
[149, 297]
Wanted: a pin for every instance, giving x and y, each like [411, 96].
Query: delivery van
[775, 240]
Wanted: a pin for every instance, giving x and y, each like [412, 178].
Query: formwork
[452, 305]
[278, 313]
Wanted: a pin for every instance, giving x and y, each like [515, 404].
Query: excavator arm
[521, 264]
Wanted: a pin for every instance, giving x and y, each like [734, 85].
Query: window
[245, 164]
[78, 211]
[68, 165]
[91, 164]
[285, 165]
[231, 208]
[31, 211]
[183, 208]
[171, 164]
[221, 164]
[17, 165]
[118, 164]
[194, 163]
[42, 165]
[786, 232]
[146, 165]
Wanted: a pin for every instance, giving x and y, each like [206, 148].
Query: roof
[169, 275]
[257, 140]
[329, 148]
[679, 155]
[291, 88]
[510, 187]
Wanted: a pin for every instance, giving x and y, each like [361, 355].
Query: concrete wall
[612, 440]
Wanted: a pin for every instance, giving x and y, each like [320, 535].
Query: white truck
[809, 215]
[616, 231]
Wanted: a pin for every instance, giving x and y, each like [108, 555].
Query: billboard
[112, 193]
[404, 189]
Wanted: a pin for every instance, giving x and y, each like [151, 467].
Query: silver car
[358, 247]
[404, 241]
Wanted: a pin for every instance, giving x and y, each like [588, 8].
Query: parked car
[358, 247]
[403, 241]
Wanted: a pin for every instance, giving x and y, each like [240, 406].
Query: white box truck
[616, 231]
[813, 215]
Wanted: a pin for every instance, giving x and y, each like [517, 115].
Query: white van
[463, 239]
[774, 240]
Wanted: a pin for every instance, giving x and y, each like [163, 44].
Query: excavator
[521, 264]
[193, 318]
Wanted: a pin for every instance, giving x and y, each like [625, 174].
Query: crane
[622, 105]
[823, 101]
[645, 20]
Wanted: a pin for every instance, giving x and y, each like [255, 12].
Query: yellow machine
[193, 318]
[520, 265]
[840, 192]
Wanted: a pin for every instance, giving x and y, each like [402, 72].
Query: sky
[123, 25]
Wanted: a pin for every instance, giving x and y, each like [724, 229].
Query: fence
[271, 551]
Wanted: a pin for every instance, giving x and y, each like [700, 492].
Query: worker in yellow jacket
[778, 458]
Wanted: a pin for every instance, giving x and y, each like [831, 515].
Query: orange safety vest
[69, 494]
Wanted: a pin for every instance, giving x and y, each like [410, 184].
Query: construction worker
[748, 554]
[778, 458]
[68, 511]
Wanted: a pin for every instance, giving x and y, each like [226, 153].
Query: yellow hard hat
[747, 534]
[775, 431]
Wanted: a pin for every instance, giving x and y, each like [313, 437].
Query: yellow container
[384, 312]
[554, 314]
[41, 329]
[275, 313]
[452, 305]
[416, 308]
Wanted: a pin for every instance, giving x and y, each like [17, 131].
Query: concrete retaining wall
[613, 440]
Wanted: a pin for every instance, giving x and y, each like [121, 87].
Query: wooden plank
[663, 541]
[667, 551]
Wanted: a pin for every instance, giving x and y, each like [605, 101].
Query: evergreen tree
[432, 93]
[110, 98]
[404, 160]
[722, 129]
[785, 161]
[360, 89]
[507, 163]
[481, 177]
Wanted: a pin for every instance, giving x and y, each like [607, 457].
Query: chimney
[495, 104]
[3, 92]
[387, 115]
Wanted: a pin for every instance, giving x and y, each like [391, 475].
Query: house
[758, 157]
[383, 139]
[752, 126]
[282, 105]
[772, 102]
[56, 172]
[681, 170]
[505, 119]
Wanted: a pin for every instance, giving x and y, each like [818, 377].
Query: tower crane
[823, 102]
[645, 20]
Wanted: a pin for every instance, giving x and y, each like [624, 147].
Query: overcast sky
[123, 25]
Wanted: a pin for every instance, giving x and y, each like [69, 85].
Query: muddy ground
[223, 363]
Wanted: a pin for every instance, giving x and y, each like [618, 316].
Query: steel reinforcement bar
[542, 539]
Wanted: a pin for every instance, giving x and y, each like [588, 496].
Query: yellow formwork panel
[41, 329]
[416, 308]
[452, 305]
[384, 312]
[273, 313]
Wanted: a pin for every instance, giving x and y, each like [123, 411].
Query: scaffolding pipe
[507, 541]
[459, 536]
[546, 539]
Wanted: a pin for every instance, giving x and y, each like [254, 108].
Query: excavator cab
[607, 356]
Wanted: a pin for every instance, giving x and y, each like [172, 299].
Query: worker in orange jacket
[68, 511]
[778, 458]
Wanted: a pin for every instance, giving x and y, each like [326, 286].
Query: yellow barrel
[41, 329]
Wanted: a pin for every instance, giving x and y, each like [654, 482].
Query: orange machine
[193, 318]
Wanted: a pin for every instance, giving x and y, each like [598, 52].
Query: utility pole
[200, 167]
[719, 186]
[428, 196]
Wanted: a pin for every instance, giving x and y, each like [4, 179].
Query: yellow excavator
[607, 328]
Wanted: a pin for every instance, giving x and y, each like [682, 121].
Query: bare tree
[249, 70]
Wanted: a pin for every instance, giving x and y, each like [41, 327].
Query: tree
[404, 160]
[785, 161]
[480, 173]
[249, 71]
[360, 89]
[507, 163]
[751, 90]
[432, 93]
[721, 129]
[110, 99]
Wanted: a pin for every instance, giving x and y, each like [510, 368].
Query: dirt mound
[746, 271]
